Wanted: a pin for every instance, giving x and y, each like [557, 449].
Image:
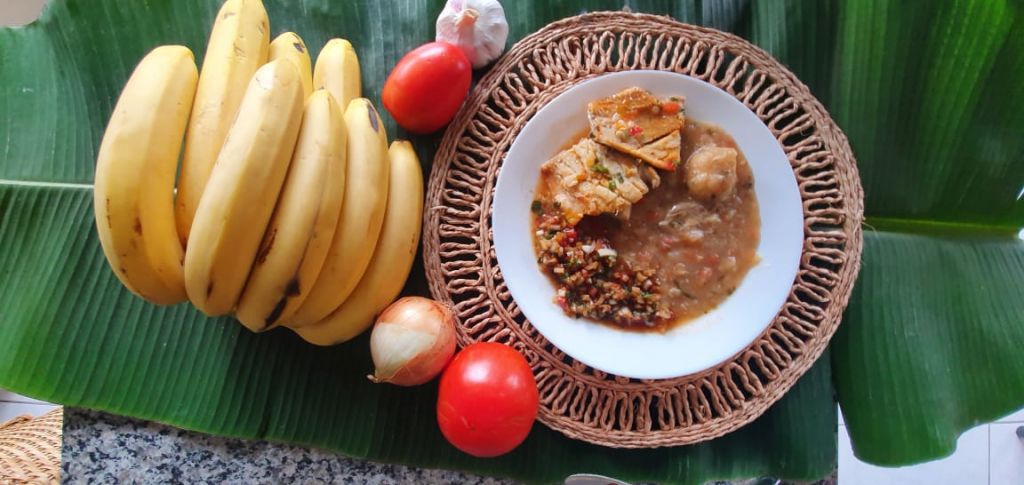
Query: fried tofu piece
[590, 179]
[636, 123]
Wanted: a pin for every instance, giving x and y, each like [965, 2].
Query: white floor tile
[19, 12]
[1006, 466]
[8, 396]
[969, 465]
[10, 410]
[1017, 417]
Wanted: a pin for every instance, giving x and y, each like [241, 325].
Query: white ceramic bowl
[690, 347]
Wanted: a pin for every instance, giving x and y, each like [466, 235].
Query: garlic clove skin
[477, 27]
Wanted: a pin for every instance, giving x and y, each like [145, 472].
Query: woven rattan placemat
[579, 401]
[30, 449]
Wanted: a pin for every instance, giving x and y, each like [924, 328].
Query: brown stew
[673, 255]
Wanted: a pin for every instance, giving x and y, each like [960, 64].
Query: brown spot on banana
[261, 257]
[209, 289]
[299, 47]
[372, 113]
[290, 291]
[138, 226]
[275, 313]
[293, 288]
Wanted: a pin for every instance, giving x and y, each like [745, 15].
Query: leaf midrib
[940, 228]
[56, 185]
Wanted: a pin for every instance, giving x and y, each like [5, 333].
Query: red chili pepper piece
[562, 303]
[570, 235]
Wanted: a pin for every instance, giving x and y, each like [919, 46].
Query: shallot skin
[412, 341]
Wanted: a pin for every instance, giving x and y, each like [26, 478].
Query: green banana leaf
[932, 338]
[928, 95]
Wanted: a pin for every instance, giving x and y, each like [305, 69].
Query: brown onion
[412, 341]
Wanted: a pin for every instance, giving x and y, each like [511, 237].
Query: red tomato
[487, 400]
[427, 87]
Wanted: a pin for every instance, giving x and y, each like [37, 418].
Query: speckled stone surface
[100, 448]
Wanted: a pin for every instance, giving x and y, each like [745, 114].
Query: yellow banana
[290, 46]
[238, 46]
[392, 260]
[133, 196]
[243, 188]
[296, 241]
[337, 70]
[362, 214]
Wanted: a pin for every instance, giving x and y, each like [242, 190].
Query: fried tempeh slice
[633, 120]
[663, 152]
[590, 179]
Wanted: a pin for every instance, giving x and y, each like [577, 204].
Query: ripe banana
[337, 70]
[392, 260]
[362, 214]
[134, 187]
[290, 46]
[237, 47]
[296, 241]
[243, 188]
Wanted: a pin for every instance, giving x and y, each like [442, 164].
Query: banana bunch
[289, 210]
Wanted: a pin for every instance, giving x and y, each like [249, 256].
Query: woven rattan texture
[30, 449]
[579, 401]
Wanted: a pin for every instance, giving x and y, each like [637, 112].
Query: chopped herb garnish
[537, 207]
[600, 168]
[551, 233]
[619, 177]
[612, 185]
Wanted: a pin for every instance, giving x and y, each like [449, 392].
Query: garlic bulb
[478, 27]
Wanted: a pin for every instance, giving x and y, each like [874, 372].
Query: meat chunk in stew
[711, 172]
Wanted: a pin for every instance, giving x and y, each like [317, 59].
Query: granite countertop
[103, 448]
